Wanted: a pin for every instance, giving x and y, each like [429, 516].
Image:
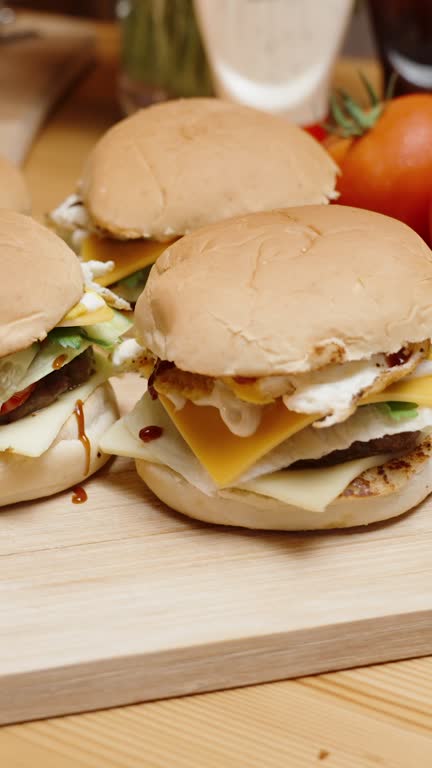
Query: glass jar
[162, 55]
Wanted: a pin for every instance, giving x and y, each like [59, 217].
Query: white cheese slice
[33, 435]
[122, 439]
[13, 368]
[311, 489]
[367, 423]
[43, 363]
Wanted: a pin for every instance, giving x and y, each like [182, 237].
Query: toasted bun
[177, 166]
[63, 465]
[287, 291]
[379, 494]
[41, 280]
[14, 193]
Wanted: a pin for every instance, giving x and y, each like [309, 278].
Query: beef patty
[401, 443]
[49, 389]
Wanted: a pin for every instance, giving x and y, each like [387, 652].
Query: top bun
[41, 280]
[287, 291]
[14, 193]
[177, 166]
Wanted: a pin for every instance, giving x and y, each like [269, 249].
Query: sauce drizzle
[59, 362]
[245, 379]
[160, 367]
[85, 442]
[398, 358]
[79, 495]
[148, 434]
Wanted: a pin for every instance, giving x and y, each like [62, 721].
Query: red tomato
[17, 399]
[316, 130]
[389, 168]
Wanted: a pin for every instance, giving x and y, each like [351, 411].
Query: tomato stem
[349, 119]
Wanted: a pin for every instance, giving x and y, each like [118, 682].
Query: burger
[290, 379]
[174, 167]
[14, 193]
[56, 334]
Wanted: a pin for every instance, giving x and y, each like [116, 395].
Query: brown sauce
[148, 434]
[59, 362]
[79, 495]
[161, 365]
[398, 358]
[85, 442]
[245, 379]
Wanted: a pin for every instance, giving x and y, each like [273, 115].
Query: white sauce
[92, 302]
[423, 369]
[241, 418]
[332, 389]
[125, 352]
[77, 238]
[94, 269]
[71, 214]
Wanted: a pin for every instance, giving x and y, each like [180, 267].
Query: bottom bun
[63, 465]
[378, 494]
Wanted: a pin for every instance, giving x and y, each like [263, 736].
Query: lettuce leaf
[131, 287]
[67, 338]
[108, 334]
[399, 411]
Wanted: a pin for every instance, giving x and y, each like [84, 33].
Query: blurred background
[271, 54]
[275, 55]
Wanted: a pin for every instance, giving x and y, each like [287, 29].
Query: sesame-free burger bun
[287, 291]
[41, 281]
[14, 193]
[379, 494]
[63, 465]
[176, 166]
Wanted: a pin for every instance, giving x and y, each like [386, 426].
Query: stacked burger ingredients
[176, 166]
[290, 384]
[56, 335]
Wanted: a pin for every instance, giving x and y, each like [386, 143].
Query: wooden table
[362, 718]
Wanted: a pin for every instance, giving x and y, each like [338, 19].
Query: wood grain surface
[35, 71]
[362, 718]
[126, 601]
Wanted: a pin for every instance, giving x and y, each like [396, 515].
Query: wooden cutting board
[122, 600]
[35, 71]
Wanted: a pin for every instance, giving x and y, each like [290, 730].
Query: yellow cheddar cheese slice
[248, 390]
[417, 391]
[129, 256]
[102, 315]
[225, 455]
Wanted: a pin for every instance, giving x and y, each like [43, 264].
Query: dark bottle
[403, 31]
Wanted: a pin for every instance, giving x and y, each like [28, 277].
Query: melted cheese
[122, 439]
[311, 489]
[33, 435]
[103, 315]
[225, 455]
[417, 391]
[129, 256]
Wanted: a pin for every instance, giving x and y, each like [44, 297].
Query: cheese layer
[311, 489]
[226, 455]
[129, 256]
[33, 435]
